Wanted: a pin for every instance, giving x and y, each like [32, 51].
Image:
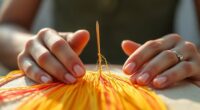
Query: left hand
[157, 62]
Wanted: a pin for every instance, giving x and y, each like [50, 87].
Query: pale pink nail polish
[133, 79]
[78, 70]
[45, 79]
[129, 68]
[160, 80]
[70, 78]
[143, 78]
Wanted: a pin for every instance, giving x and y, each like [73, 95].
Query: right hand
[50, 55]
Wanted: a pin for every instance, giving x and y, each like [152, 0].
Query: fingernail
[70, 78]
[45, 79]
[160, 80]
[129, 68]
[133, 79]
[143, 78]
[78, 70]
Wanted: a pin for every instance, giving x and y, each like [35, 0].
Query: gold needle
[98, 47]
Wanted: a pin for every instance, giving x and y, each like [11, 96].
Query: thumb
[129, 46]
[78, 40]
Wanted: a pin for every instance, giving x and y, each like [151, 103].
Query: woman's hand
[162, 62]
[51, 55]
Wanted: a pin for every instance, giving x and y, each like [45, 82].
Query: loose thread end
[98, 48]
[100, 56]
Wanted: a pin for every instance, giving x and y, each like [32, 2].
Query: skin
[155, 63]
[51, 55]
[47, 55]
[41, 55]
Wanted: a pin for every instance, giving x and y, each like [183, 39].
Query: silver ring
[178, 55]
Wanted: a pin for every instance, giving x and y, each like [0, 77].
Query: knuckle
[19, 60]
[154, 45]
[187, 66]
[61, 71]
[190, 46]
[29, 70]
[20, 57]
[153, 69]
[57, 45]
[29, 44]
[175, 37]
[70, 60]
[43, 58]
[173, 75]
[42, 32]
[170, 55]
[34, 73]
[138, 59]
[58, 72]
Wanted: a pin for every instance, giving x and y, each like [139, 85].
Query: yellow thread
[115, 93]
[99, 48]
[99, 90]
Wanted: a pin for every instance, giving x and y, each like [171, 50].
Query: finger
[147, 51]
[30, 68]
[154, 66]
[179, 72]
[133, 77]
[168, 59]
[64, 53]
[187, 49]
[129, 46]
[49, 63]
[64, 34]
[78, 40]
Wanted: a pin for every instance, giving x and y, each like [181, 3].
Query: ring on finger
[179, 56]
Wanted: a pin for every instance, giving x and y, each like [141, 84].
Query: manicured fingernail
[129, 68]
[160, 80]
[45, 79]
[133, 79]
[70, 78]
[143, 78]
[79, 70]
